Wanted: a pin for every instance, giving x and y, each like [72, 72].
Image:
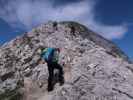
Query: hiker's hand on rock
[42, 61]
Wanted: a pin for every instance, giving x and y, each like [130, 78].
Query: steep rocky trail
[94, 68]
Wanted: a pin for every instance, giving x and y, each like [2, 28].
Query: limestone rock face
[94, 68]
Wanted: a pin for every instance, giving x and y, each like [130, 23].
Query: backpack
[50, 55]
[56, 56]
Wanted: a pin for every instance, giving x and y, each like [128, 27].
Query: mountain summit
[94, 68]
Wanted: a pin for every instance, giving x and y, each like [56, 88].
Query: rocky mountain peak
[94, 68]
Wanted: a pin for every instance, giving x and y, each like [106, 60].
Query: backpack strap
[44, 51]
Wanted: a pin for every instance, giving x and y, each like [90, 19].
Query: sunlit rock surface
[94, 68]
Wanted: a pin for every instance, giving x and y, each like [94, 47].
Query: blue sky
[113, 19]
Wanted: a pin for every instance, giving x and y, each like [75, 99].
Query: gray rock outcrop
[94, 68]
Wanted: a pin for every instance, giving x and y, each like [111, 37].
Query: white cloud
[109, 32]
[30, 13]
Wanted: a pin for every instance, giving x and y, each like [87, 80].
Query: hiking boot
[61, 81]
[50, 88]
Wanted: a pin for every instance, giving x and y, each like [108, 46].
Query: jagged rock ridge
[94, 68]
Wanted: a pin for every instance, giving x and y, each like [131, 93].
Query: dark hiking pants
[51, 67]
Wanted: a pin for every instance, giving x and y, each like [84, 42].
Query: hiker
[55, 26]
[73, 30]
[51, 55]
